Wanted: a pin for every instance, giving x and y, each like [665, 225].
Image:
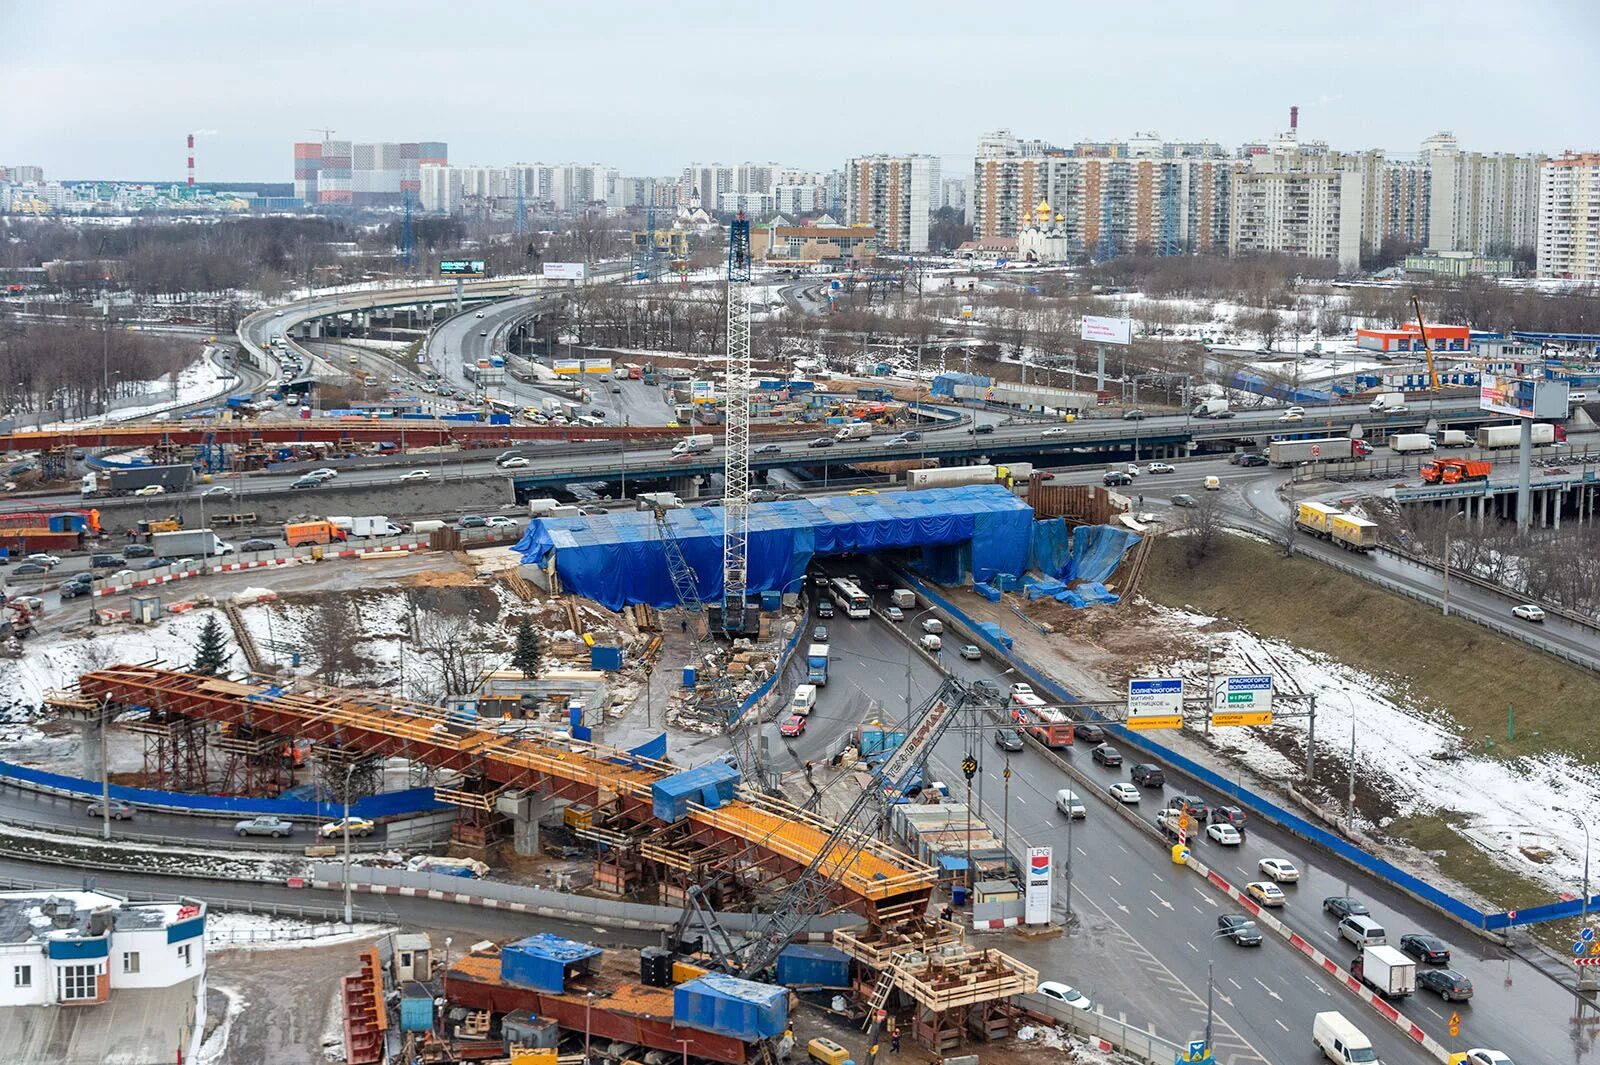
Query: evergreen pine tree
[212, 656]
[528, 651]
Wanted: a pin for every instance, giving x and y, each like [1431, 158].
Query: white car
[499, 521]
[1065, 994]
[43, 559]
[894, 613]
[1294, 410]
[1134, 469]
[1280, 869]
[1160, 467]
[1528, 612]
[1482, 1056]
[1224, 834]
[323, 474]
[1020, 688]
[1290, 416]
[1122, 791]
[515, 462]
[415, 475]
[478, 315]
[152, 490]
[1056, 430]
[218, 490]
[34, 604]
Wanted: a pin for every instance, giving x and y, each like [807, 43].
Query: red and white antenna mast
[191, 160]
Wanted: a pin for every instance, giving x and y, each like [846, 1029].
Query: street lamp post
[1211, 951]
[1447, 522]
[105, 771]
[348, 769]
[588, 1004]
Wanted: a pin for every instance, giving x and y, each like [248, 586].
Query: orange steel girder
[785, 838]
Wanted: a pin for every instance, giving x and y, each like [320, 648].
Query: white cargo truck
[1388, 403]
[201, 543]
[1209, 408]
[697, 444]
[1492, 437]
[1410, 443]
[1387, 971]
[854, 431]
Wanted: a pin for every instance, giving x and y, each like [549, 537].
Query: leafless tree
[331, 634]
[455, 648]
[1204, 523]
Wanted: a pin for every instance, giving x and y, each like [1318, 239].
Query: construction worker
[894, 1037]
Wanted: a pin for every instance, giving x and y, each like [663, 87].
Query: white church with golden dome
[1044, 238]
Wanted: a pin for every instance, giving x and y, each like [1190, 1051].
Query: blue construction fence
[766, 686]
[1263, 807]
[388, 804]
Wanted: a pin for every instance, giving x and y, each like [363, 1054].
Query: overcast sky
[101, 89]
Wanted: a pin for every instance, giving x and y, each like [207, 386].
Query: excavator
[19, 628]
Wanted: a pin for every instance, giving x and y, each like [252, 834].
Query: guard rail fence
[1457, 574]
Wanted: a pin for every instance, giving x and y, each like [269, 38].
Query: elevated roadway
[869, 877]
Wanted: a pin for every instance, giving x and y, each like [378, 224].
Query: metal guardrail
[274, 909]
[1457, 574]
[1516, 632]
[290, 847]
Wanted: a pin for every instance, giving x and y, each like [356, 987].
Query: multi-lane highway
[1143, 943]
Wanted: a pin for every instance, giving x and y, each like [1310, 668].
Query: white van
[1069, 804]
[805, 698]
[933, 625]
[1340, 1041]
[930, 643]
[1363, 931]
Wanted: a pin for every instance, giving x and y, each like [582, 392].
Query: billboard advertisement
[700, 392]
[564, 271]
[461, 267]
[1522, 398]
[1243, 701]
[568, 367]
[1036, 898]
[1101, 330]
[1155, 703]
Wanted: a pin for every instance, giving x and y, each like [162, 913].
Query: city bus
[852, 600]
[1047, 724]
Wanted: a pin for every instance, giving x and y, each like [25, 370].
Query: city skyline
[556, 84]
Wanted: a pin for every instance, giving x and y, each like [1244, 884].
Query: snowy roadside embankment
[1418, 763]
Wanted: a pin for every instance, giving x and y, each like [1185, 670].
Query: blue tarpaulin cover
[1096, 551]
[617, 559]
[945, 383]
[710, 785]
[995, 633]
[1051, 549]
[730, 1006]
[540, 961]
[988, 591]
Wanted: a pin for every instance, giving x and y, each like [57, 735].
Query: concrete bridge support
[525, 812]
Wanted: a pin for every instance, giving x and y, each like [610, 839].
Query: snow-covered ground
[259, 931]
[201, 380]
[1418, 760]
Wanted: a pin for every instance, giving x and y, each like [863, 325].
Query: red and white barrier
[230, 567]
[996, 923]
[1379, 1005]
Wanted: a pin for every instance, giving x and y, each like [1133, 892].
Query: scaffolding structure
[254, 763]
[174, 751]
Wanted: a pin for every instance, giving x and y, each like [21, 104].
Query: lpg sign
[1036, 901]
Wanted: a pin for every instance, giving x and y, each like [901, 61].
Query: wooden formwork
[1080, 504]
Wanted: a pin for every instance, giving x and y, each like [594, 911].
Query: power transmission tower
[408, 240]
[736, 438]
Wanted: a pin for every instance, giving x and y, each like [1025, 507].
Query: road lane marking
[1236, 983]
[1114, 880]
[1152, 913]
[1280, 1024]
[1193, 947]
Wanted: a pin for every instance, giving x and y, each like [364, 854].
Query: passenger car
[306, 482]
[258, 545]
[1161, 467]
[1342, 906]
[138, 551]
[515, 462]
[1224, 834]
[1067, 802]
[43, 559]
[1228, 815]
[1064, 993]
[30, 569]
[359, 826]
[1484, 1056]
[1446, 983]
[894, 613]
[1116, 478]
[1055, 430]
[151, 490]
[1122, 791]
[1241, 929]
[1430, 949]
[120, 811]
[76, 587]
[1265, 892]
[1107, 756]
[499, 521]
[970, 652]
[1008, 739]
[1280, 869]
[793, 725]
[217, 490]
[266, 825]
[1146, 775]
[1528, 612]
[819, 634]
[769, 449]
[825, 608]
[324, 473]
[821, 441]
[1133, 415]
[472, 521]
[1184, 499]
[1088, 732]
[416, 475]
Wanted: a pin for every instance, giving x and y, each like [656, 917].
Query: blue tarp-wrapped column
[1097, 550]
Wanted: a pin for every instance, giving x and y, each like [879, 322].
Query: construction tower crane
[808, 895]
[736, 434]
[1427, 348]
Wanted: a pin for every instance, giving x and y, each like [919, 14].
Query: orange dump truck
[299, 533]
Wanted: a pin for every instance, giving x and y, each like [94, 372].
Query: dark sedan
[1342, 906]
[821, 441]
[1230, 815]
[1106, 756]
[1241, 929]
[1089, 733]
[1008, 739]
[1430, 949]
[1446, 983]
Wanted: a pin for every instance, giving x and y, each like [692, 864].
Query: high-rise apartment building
[347, 173]
[1480, 203]
[18, 175]
[1296, 203]
[720, 185]
[1569, 217]
[1114, 198]
[894, 194]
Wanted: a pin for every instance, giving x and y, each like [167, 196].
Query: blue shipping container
[541, 961]
[416, 1008]
[813, 965]
[606, 658]
[729, 1006]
